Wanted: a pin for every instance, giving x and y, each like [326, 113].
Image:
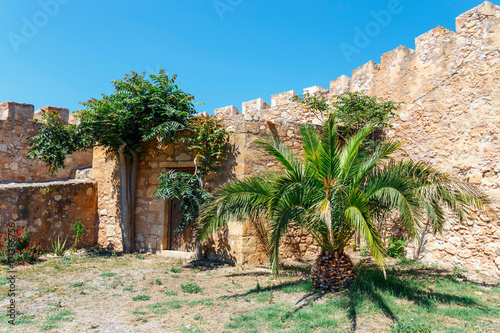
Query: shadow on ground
[413, 284]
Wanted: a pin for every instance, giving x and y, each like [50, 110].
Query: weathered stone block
[16, 111]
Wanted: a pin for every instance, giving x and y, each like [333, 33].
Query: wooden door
[177, 240]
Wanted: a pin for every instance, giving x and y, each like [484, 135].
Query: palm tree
[335, 190]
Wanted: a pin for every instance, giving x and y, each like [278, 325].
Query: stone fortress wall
[450, 119]
[16, 125]
[450, 86]
[47, 204]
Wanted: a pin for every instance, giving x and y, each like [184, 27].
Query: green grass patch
[139, 313]
[107, 275]
[25, 320]
[176, 270]
[191, 288]
[161, 311]
[141, 298]
[171, 293]
[52, 321]
[175, 304]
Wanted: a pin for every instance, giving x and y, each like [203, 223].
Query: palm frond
[358, 215]
[236, 200]
[351, 149]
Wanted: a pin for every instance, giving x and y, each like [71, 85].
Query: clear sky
[225, 52]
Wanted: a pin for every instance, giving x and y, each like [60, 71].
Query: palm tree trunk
[333, 271]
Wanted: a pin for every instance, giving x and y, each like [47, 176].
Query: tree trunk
[199, 246]
[333, 271]
[128, 175]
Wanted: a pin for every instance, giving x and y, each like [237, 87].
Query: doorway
[173, 240]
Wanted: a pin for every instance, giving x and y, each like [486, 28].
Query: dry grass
[105, 293]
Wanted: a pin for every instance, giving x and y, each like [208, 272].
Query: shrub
[22, 249]
[191, 288]
[396, 248]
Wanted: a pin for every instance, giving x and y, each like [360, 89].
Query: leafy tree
[336, 190]
[140, 109]
[208, 138]
[352, 110]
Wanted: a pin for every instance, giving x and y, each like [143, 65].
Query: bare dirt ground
[135, 293]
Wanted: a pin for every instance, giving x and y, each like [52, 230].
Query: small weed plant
[109, 274]
[79, 230]
[141, 298]
[58, 246]
[396, 248]
[191, 288]
[176, 269]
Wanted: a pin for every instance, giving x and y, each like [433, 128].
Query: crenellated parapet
[18, 122]
[403, 74]
[25, 113]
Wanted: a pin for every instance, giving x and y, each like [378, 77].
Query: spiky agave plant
[334, 191]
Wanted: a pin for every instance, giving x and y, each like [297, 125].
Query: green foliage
[364, 251]
[209, 139]
[138, 110]
[185, 187]
[59, 246]
[108, 274]
[139, 255]
[141, 298]
[396, 247]
[79, 230]
[352, 110]
[191, 288]
[171, 293]
[15, 246]
[54, 142]
[355, 110]
[338, 189]
[176, 269]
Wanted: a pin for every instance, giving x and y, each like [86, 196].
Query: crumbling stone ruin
[450, 86]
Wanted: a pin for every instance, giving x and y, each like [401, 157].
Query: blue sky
[225, 52]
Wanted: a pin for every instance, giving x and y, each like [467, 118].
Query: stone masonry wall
[151, 219]
[151, 213]
[106, 173]
[16, 125]
[50, 209]
[450, 85]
